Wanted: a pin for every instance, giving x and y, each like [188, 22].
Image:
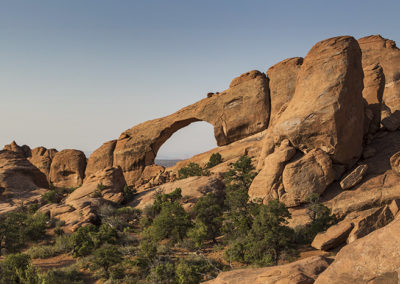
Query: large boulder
[378, 50]
[42, 158]
[334, 236]
[267, 184]
[354, 177]
[367, 258]
[282, 84]
[236, 113]
[310, 174]
[68, 168]
[101, 158]
[327, 108]
[303, 271]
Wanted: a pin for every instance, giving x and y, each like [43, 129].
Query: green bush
[51, 197]
[215, 159]
[67, 275]
[105, 257]
[191, 170]
[63, 244]
[17, 268]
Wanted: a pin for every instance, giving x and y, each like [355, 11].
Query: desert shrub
[119, 218]
[67, 275]
[321, 220]
[192, 169]
[267, 239]
[63, 244]
[84, 240]
[17, 268]
[162, 273]
[128, 193]
[214, 160]
[18, 227]
[51, 197]
[105, 257]
[194, 269]
[198, 234]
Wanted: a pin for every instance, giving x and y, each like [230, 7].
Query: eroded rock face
[236, 113]
[310, 174]
[300, 272]
[101, 158]
[24, 150]
[267, 184]
[367, 258]
[18, 175]
[68, 168]
[378, 50]
[42, 158]
[395, 163]
[327, 109]
[282, 84]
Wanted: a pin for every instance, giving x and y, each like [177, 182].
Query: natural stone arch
[238, 112]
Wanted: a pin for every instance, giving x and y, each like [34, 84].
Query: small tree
[191, 170]
[105, 257]
[17, 268]
[215, 159]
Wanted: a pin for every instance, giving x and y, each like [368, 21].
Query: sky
[76, 73]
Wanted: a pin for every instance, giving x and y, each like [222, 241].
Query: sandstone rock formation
[300, 272]
[310, 174]
[101, 158]
[236, 113]
[42, 158]
[18, 175]
[395, 163]
[378, 50]
[367, 258]
[327, 109]
[268, 183]
[282, 84]
[68, 168]
[354, 177]
[334, 236]
[24, 150]
[81, 206]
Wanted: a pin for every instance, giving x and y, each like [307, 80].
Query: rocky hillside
[327, 125]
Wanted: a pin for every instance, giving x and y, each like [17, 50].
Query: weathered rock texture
[327, 109]
[367, 258]
[300, 272]
[42, 158]
[18, 175]
[268, 183]
[236, 113]
[282, 84]
[333, 237]
[381, 51]
[68, 168]
[24, 150]
[310, 174]
[354, 177]
[101, 158]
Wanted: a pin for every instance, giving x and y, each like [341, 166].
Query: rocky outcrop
[24, 150]
[377, 50]
[18, 175]
[268, 183]
[300, 272]
[327, 108]
[68, 168]
[367, 258]
[192, 189]
[236, 113]
[282, 84]
[395, 163]
[354, 177]
[81, 206]
[310, 174]
[101, 158]
[42, 158]
[334, 236]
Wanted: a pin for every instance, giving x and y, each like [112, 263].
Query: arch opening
[194, 138]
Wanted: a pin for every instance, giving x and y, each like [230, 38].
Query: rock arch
[238, 112]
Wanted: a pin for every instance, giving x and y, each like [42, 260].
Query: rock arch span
[238, 112]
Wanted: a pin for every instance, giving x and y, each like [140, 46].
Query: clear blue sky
[76, 73]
